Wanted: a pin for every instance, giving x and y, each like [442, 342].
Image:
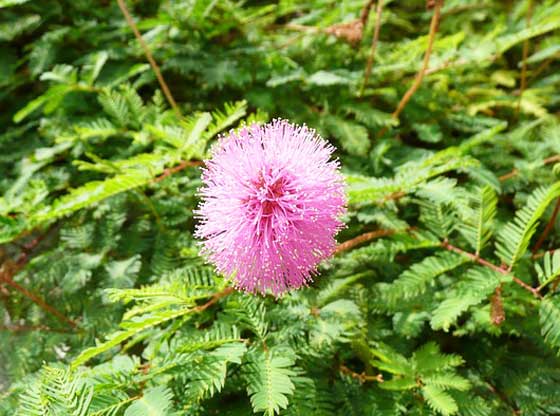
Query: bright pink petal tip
[271, 206]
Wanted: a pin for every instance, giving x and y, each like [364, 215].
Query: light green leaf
[156, 401]
[439, 400]
[269, 383]
[515, 236]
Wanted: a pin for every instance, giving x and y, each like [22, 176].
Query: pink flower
[271, 203]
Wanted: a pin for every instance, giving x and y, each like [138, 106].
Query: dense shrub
[442, 297]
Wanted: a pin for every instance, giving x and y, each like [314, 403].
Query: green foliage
[516, 235]
[55, 391]
[268, 380]
[549, 316]
[107, 308]
[155, 402]
[428, 370]
[478, 230]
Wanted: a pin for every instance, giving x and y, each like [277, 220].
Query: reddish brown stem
[27, 248]
[361, 377]
[215, 298]
[150, 58]
[395, 196]
[365, 12]
[362, 238]
[170, 171]
[446, 245]
[548, 228]
[10, 268]
[509, 175]
[515, 172]
[420, 76]
[542, 254]
[38, 301]
[374, 41]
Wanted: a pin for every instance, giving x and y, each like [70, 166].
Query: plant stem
[150, 58]
[374, 41]
[362, 377]
[362, 238]
[515, 172]
[36, 299]
[446, 245]
[170, 171]
[420, 76]
[215, 298]
[364, 15]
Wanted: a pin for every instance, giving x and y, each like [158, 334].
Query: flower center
[270, 187]
[269, 193]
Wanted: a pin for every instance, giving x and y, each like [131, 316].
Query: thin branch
[150, 58]
[515, 172]
[27, 248]
[362, 238]
[394, 196]
[420, 76]
[215, 298]
[548, 228]
[361, 377]
[543, 253]
[446, 245]
[525, 55]
[170, 171]
[374, 41]
[364, 15]
[6, 274]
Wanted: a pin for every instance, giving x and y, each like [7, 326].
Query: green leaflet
[269, 383]
[515, 237]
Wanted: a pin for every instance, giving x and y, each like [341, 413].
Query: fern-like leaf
[479, 227]
[550, 270]
[439, 400]
[269, 383]
[549, 314]
[515, 236]
[414, 281]
[156, 401]
[56, 391]
[478, 285]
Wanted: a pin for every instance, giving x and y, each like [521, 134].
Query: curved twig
[362, 238]
[150, 58]
[374, 41]
[420, 76]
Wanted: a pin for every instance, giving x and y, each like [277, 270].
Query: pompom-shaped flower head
[271, 203]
